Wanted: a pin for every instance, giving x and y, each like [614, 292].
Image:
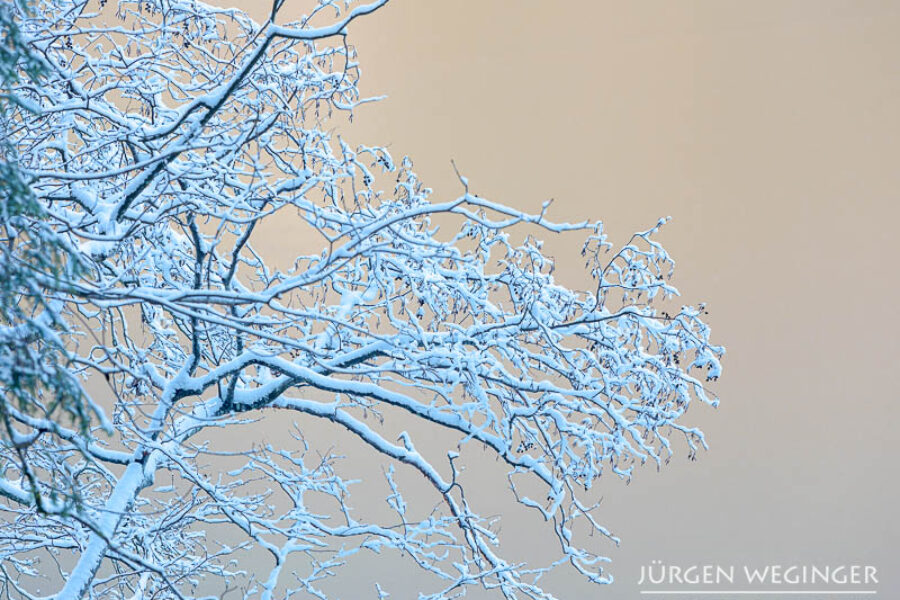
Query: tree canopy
[150, 141]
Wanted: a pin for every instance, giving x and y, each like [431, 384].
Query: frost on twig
[160, 137]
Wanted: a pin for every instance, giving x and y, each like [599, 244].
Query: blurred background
[770, 132]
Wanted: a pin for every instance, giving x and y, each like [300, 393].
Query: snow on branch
[159, 138]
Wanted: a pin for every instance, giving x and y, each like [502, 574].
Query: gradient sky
[770, 132]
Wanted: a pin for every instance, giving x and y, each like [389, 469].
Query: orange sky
[770, 131]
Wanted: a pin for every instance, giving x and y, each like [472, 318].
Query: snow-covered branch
[158, 138]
